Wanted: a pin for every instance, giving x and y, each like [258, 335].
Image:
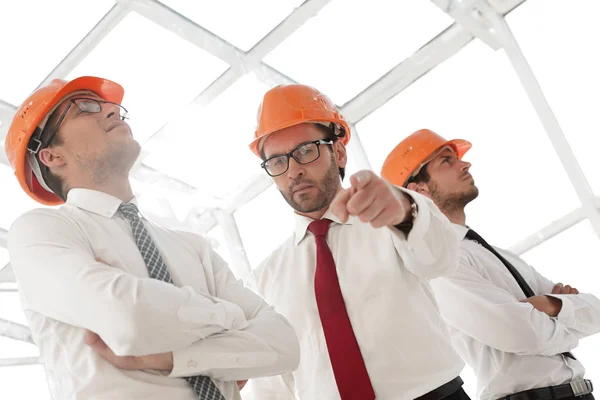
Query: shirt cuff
[202, 357]
[566, 316]
[419, 229]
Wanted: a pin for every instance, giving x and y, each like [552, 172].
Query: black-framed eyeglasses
[304, 154]
[85, 105]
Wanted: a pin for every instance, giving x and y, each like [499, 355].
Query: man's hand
[372, 200]
[241, 384]
[546, 304]
[559, 288]
[162, 361]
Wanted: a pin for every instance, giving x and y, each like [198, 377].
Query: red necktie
[347, 362]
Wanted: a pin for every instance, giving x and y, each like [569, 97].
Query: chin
[473, 193]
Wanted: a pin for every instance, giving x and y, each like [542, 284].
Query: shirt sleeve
[431, 248]
[266, 346]
[59, 277]
[580, 312]
[475, 306]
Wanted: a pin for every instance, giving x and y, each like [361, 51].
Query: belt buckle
[580, 387]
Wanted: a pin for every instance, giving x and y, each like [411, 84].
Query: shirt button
[240, 360]
[192, 364]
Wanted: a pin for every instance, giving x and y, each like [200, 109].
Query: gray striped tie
[202, 385]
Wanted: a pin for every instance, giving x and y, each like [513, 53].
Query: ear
[339, 152]
[52, 157]
[420, 188]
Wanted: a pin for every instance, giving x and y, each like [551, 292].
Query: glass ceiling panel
[351, 168]
[264, 223]
[208, 146]
[11, 348]
[573, 257]
[351, 43]
[11, 308]
[4, 259]
[24, 382]
[14, 200]
[160, 72]
[217, 241]
[476, 96]
[567, 72]
[236, 27]
[37, 37]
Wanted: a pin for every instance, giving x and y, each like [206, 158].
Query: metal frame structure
[474, 19]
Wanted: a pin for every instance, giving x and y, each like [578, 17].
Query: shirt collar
[302, 223]
[461, 230]
[94, 201]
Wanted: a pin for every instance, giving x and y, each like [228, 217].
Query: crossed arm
[544, 325]
[238, 335]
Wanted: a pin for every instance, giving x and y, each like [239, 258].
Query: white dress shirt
[384, 277]
[511, 346]
[211, 322]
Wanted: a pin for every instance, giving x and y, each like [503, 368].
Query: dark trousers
[460, 394]
[584, 397]
[525, 396]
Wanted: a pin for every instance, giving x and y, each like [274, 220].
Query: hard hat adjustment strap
[35, 144]
[36, 149]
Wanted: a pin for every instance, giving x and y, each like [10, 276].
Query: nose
[465, 166]
[111, 110]
[295, 169]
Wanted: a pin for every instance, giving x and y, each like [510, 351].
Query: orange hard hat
[409, 156]
[28, 124]
[288, 105]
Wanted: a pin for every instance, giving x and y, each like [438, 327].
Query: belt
[576, 388]
[443, 391]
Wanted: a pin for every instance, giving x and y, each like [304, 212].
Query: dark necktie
[349, 369]
[472, 235]
[203, 386]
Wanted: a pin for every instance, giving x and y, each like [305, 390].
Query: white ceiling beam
[7, 274]
[15, 330]
[465, 14]
[257, 184]
[545, 114]
[187, 29]
[360, 159]
[13, 362]
[3, 237]
[235, 247]
[7, 112]
[549, 231]
[441, 48]
[89, 42]
[240, 62]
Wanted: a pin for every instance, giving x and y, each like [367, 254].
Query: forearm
[267, 346]
[133, 315]
[60, 278]
[521, 329]
[166, 318]
[492, 316]
[580, 313]
[433, 246]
